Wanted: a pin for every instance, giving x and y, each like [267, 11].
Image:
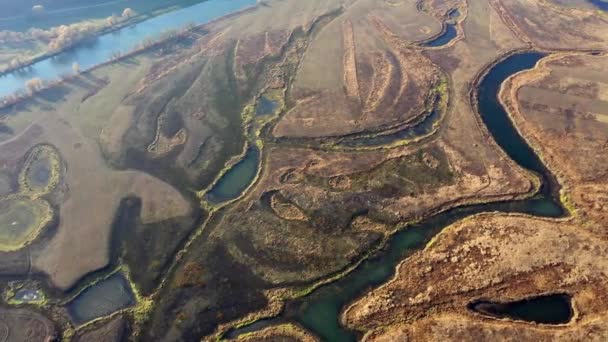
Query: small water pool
[237, 179]
[546, 309]
[265, 106]
[101, 299]
[28, 295]
[454, 14]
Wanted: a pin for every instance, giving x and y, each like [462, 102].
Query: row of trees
[63, 36]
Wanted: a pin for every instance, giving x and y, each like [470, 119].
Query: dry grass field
[504, 257]
[359, 74]
[549, 26]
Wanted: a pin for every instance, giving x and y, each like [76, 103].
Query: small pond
[101, 299]
[454, 14]
[546, 309]
[27, 295]
[237, 179]
[265, 106]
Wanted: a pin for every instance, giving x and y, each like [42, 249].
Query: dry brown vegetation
[279, 333]
[369, 81]
[546, 25]
[505, 257]
[558, 106]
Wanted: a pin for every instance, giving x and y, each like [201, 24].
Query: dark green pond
[237, 179]
[319, 312]
[101, 299]
[547, 309]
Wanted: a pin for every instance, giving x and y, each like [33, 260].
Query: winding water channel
[319, 312]
[101, 48]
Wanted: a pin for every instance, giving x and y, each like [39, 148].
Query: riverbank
[118, 45]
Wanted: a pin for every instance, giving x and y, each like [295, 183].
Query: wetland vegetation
[312, 170]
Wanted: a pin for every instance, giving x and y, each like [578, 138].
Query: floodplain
[315, 170]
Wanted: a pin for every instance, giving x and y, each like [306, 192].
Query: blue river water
[601, 4]
[102, 48]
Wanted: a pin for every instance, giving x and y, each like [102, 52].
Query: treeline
[60, 37]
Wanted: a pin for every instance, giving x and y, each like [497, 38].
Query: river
[101, 49]
[319, 311]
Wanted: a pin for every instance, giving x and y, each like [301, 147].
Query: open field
[359, 74]
[549, 26]
[25, 325]
[77, 138]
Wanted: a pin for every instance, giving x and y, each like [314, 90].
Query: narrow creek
[319, 311]
[447, 36]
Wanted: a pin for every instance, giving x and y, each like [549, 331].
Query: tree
[128, 13]
[35, 84]
[76, 68]
[111, 20]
